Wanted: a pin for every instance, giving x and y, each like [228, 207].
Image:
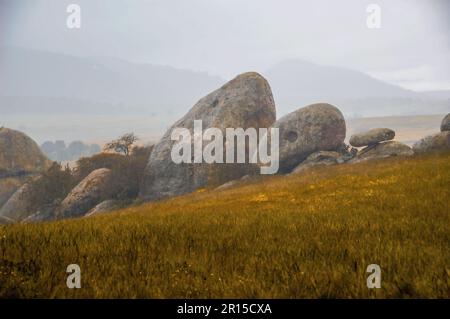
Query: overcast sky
[227, 37]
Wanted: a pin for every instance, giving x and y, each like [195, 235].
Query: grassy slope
[309, 235]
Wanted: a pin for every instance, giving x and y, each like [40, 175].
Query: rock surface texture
[102, 208]
[439, 142]
[19, 154]
[18, 205]
[321, 158]
[86, 194]
[317, 127]
[371, 137]
[383, 150]
[244, 102]
[445, 125]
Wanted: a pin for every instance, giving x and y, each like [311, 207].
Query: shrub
[126, 171]
[53, 185]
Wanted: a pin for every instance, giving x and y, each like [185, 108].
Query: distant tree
[123, 144]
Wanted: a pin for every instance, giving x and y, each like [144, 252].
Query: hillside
[307, 235]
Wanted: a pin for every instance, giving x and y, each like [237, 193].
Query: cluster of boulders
[377, 143]
[436, 142]
[310, 136]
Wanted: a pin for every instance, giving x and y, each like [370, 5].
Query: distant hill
[66, 83]
[41, 92]
[296, 83]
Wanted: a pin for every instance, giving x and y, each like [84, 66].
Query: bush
[53, 185]
[126, 171]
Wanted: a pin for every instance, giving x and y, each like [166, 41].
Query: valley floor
[310, 235]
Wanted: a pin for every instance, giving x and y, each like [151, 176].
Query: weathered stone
[19, 154]
[5, 220]
[8, 186]
[102, 208]
[317, 127]
[445, 125]
[370, 137]
[244, 102]
[227, 185]
[383, 150]
[86, 194]
[321, 158]
[19, 204]
[439, 142]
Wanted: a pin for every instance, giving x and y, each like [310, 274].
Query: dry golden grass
[309, 235]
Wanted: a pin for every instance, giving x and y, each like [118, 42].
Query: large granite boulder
[445, 125]
[244, 102]
[317, 127]
[19, 204]
[383, 150]
[19, 154]
[20, 158]
[371, 137]
[88, 193]
[439, 142]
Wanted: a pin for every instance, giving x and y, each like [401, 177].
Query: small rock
[321, 158]
[371, 137]
[104, 207]
[445, 125]
[226, 185]
[439, 142]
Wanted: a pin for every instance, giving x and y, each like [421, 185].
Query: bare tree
[123, 144]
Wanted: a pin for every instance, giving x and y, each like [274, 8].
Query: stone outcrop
[439, 142]
[321, 158]
[86, 195]
[102, 208]
[445, 124]
[383, 150]
[19, 154]
[244, 102]
[19, 204]
[317, 127]
[371, 137]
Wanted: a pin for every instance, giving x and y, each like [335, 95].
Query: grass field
[300, 236]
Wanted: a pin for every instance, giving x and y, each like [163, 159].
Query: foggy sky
[227, 37]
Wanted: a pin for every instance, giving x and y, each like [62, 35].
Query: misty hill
[296, 83]
[41, 92]
[61, 83]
